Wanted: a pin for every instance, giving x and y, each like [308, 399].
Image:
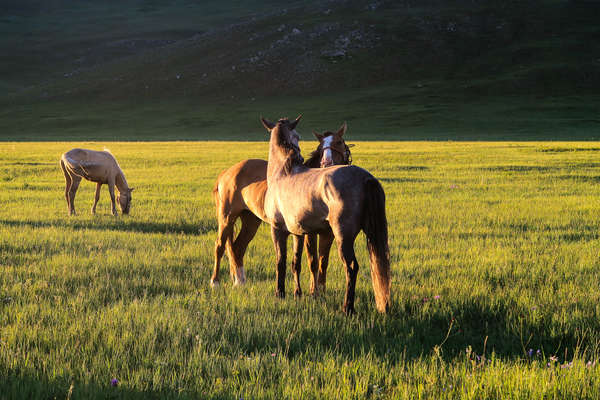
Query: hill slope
[396, 70]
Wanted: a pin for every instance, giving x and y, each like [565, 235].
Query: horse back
[239, 187]
[97, 166]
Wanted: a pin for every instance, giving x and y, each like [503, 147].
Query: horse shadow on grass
[409, 332]
[127, 224]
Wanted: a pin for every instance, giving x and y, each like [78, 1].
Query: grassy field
[495, 264]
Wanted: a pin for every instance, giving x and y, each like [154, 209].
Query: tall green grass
[494, 252]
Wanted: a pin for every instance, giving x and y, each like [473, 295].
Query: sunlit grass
[494, 253]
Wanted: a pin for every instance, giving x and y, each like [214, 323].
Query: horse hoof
[279, 294]
[348, 310]
[298, 294]
[214, 283]
[240, 277]
[239, 282]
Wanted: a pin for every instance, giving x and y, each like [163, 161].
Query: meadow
[495, 271]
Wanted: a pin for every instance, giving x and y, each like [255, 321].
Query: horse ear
[293, 124]
[343, 129]
[318, 136]
[267, 124]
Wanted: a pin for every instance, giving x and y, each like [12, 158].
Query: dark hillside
[394, 69]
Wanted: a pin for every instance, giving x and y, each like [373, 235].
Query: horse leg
[310, 244]
[346, 251]
[237, 249]
[225, 233]
[298, 240]
[279, 238]
[68, 181]
[325, 242]
[75, 181]
[97, 197]
[111, 191]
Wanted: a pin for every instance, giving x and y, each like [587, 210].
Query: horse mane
[314, 160]
[293, 156]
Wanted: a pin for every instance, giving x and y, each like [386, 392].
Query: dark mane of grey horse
[293, 152]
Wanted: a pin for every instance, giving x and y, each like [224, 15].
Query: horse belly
[307, 221]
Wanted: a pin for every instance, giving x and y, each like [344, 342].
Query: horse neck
[277, 158]
[276, 163]
[121, 182]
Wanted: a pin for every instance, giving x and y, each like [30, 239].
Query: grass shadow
[28, 386]
[122, 224]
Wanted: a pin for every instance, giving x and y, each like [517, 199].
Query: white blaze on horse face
[327, 159]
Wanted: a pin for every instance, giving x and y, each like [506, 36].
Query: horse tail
[376, 230]
[215, 193]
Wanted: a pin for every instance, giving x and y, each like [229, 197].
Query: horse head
[334, 148]
[125, 200]
[284, 138]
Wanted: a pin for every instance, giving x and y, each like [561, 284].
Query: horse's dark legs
[237, 249]
[311, 245]
[325, 242]
[279, 241]
[97, 197]
[346, 251]
[298, 240]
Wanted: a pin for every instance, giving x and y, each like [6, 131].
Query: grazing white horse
[96, 166]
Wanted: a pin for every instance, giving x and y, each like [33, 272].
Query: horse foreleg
[237, 249]
[310, 243]
[298, 240]
[97, 197]
[280, 243]
[325, 242]
[346, 251]
[111, 191]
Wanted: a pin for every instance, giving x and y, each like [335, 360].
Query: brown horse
[96, 166]
[239, 193]
[343, 199]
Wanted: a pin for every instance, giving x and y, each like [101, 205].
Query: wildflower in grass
[538, 352]
[437, 297]
[273, 354]
[553, 358]
[530, 352]
[425, 299]
[114, 382]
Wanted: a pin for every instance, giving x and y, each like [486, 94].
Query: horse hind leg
[297, 262]
[311, 247]
[237, 249]
[224, 233]
[325, 242]
[68, 181]
[345, 227]
[75, 181]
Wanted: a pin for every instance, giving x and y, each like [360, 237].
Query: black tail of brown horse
[376, 230]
